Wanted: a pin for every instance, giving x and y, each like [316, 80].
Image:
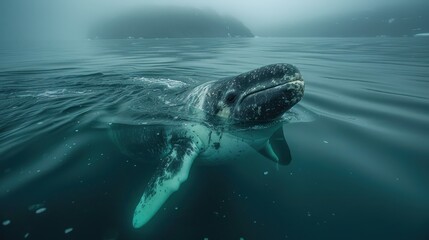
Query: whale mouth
[296, 84]
[268, 103]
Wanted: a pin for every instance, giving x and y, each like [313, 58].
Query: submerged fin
[277, 149]
[172, 171]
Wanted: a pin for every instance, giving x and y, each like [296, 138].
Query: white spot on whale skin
[225, 113]
[266, 173]
[68, 230]
[6, 222]
[26, 235]
[324, 141]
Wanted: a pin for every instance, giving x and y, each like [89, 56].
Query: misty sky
[53, 18]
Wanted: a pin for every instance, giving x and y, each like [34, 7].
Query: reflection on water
[358, 141]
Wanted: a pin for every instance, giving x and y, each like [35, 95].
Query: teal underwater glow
[357, 140]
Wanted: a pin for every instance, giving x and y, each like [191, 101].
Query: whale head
[258, 96]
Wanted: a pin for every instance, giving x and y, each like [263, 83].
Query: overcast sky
[73, 17]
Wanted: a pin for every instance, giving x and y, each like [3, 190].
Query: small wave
[55, 93]
[299, 114]
[169, 83]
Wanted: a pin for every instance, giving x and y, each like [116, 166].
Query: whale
[229, 118]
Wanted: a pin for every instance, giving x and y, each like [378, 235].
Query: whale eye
[230, 98]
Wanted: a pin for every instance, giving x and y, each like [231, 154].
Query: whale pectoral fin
[277, 149]
[172, 171]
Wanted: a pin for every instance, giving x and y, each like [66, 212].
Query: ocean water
[359, 141]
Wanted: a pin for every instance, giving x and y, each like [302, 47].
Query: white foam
[52, 93]
[170, 83]
[55, 93]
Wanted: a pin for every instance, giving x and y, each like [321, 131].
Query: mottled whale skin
[232, 117]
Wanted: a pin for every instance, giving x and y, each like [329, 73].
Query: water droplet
[40, 210]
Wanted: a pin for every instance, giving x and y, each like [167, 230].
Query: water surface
[359, 141]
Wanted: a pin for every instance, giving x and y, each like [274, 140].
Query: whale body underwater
[231, 117]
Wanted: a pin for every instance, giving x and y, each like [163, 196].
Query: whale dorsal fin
[277, 149]
[172, 171]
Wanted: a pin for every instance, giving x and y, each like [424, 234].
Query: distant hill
[169, 22]
[394, 21]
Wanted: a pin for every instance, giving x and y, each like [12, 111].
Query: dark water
[360, 149]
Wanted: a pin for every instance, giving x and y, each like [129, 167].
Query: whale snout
[270, 104]
[276, 89]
